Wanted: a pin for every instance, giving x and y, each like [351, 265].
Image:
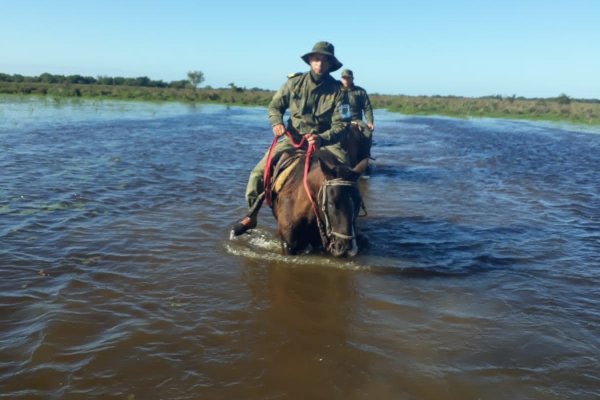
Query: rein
[269, 161]
[267, 177]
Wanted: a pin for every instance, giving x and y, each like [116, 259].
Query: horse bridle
[329, 232]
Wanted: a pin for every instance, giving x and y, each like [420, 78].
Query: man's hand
[313, 139]
[278, 130]
[371, 127]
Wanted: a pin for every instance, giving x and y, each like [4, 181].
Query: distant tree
[142, 81]
[80, 79]
[105, 80]
[179, 84]
[195, 78]
[159, 84]
[129, 82]
[51, 78]
[235, 88]
[563, 99]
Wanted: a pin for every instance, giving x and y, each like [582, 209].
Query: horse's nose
[339, 248]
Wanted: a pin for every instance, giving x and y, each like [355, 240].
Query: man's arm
[369, 111]
[279, 104]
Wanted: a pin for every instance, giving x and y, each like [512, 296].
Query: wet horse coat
[329, 221]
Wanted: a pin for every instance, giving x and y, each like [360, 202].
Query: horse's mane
[354, 144]
[323, 156]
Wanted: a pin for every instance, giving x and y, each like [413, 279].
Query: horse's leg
[283, 216]
[316, 242]
[290, 243]
[286, 249]
[296, 236]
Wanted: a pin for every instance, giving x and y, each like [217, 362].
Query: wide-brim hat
[326, 49]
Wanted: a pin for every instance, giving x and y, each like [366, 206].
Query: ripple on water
[479, 279]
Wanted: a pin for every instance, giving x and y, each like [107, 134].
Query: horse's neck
[315, 178]
[353, 144]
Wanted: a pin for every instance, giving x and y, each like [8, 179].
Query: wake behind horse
[318, 205]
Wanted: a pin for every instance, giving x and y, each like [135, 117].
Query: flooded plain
[118, 279]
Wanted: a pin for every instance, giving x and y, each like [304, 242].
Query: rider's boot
[250, 220]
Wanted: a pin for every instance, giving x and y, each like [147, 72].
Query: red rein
[267, 172]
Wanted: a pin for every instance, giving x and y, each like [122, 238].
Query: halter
[329, 232]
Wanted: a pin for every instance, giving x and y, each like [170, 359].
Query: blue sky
[464, 48]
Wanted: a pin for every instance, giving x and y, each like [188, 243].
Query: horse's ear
[347, 173]
[329, 172]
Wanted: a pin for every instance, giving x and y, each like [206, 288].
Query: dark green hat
[347, 73]
[327, 49]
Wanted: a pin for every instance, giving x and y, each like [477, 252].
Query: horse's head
[340, 203]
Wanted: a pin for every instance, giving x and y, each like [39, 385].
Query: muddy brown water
[118, 279]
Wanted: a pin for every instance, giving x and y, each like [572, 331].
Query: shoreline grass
[553, 109]
[560, 109]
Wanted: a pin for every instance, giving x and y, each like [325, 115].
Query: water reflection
[304, 318]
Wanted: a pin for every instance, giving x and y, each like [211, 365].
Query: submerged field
[119, 281]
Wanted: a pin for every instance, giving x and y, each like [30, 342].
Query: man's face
[347, 81]
[319, 63]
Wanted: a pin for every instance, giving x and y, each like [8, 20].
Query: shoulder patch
[293, 75]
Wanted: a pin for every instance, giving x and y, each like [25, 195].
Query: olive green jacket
[312, 107]
[359, 102]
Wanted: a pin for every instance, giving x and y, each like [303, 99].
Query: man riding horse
[317, 113]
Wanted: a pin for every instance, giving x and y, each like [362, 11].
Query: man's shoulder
[333, 83]
[360, 89]
[294, 80]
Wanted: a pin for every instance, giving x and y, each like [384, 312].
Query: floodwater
[118, 279]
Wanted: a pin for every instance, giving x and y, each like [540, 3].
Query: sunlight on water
[261, 245]
[478, 278]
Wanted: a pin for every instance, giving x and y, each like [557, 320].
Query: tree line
[560, 108]
[194, 79]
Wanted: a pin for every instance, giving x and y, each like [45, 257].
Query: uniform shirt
[313, 107]
[359, 102]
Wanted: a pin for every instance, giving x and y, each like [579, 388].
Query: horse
[318, 204]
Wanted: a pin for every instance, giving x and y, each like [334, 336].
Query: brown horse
[326, 219]
[356, 144]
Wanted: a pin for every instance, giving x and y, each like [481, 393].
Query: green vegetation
[561, 108]
[141, 88]
[195, 78]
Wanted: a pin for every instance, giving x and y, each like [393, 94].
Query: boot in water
[245, 224]
[249, 221]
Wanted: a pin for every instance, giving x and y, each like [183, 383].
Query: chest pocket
[326, 106]
[296, 103]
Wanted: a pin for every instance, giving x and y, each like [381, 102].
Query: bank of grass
[553, 109]
[561, 108]
[235, 96]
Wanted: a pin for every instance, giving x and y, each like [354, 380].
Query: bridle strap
[334, 182]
